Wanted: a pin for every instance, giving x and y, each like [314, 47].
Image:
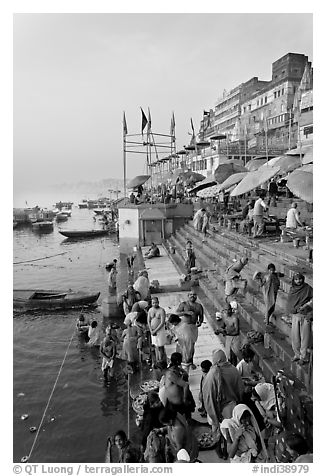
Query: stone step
[254, 295]
[238, 244]
[211, 300]
[214, 289]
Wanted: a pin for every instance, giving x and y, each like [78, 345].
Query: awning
[301, 185]
[232, 180]
[208, 182]
[218, 137]
[223, 171]
[138, 180]
[254, 179]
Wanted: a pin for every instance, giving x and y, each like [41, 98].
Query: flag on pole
[172, 127]
[125, 129]
[144, 120]
[149, 122]
[192, 127]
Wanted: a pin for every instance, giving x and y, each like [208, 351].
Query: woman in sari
[299, 306]
[191, 257]
[185, 337]
[244, 440]
[198, 219]
[265, 400]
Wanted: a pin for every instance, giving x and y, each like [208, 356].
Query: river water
[83, 410]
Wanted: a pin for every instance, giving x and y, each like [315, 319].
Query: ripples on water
[82, 411]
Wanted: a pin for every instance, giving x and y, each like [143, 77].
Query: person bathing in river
[129, 298]
[108, 351]
[82, 325]
[94, 334]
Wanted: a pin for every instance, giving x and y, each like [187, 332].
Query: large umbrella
[288, 163]
[209, 192]
[138, 180]
[308, 156]
[189, 176]
[255, 164]
[299, 150]
[301, 185]
[272, 161]
[223, 171]
[232, 180]
[253, 179]
[208, 182]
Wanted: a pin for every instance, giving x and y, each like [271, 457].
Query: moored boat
[29, 299]
[61, 216]
[42, 226]
[83, 233]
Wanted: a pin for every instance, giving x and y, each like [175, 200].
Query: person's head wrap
[266, 394]
[219, 357]
[183, 455]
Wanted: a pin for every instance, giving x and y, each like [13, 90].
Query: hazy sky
[75, 74]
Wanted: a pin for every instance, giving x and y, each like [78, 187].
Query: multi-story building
[265, 117]
[256, 117]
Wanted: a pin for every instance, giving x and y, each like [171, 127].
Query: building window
[249, 107]
[282, 91]
[244, 109]
[257, 103]
[275, 93]
[265, 99]
[283, 72]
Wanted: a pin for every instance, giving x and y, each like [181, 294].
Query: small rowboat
[29, 299]
[83, 233]
[42, 226]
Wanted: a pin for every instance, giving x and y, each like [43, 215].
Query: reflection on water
[84, 408]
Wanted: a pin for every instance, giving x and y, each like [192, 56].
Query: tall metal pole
[266, 146]
[124, 166]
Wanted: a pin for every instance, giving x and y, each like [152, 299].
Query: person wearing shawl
[222, 390]
[141, 285]
[265, 400]
[299, 305]
[198, 219]
[270, 283]
[244, 440]
[233, 278]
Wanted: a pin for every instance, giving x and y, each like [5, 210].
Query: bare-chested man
[192, 313]
[156, 325]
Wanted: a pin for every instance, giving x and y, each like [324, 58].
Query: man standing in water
[156, 324]
[192, 313]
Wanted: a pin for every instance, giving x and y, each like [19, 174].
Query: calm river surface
[82, 411]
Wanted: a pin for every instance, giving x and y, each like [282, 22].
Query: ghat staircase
[214, 255]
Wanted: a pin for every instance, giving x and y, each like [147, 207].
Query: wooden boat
[42, 226]
[62, 216]
[29, 299]
[83, 233]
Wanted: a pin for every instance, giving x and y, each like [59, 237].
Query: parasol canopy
[138, 180]
[181, 152]
[209, 192]
[218, 137]
[255, 164]
[224, 171]
[208, 182]
[272, 161]
[232, 180]
[254, 179]
[288, 163]
[303, 149]
[301, 185]
[308, 156]
[306, 168]
[187, 176]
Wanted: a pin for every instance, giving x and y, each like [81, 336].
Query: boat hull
[23, 299]
[83, 233]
